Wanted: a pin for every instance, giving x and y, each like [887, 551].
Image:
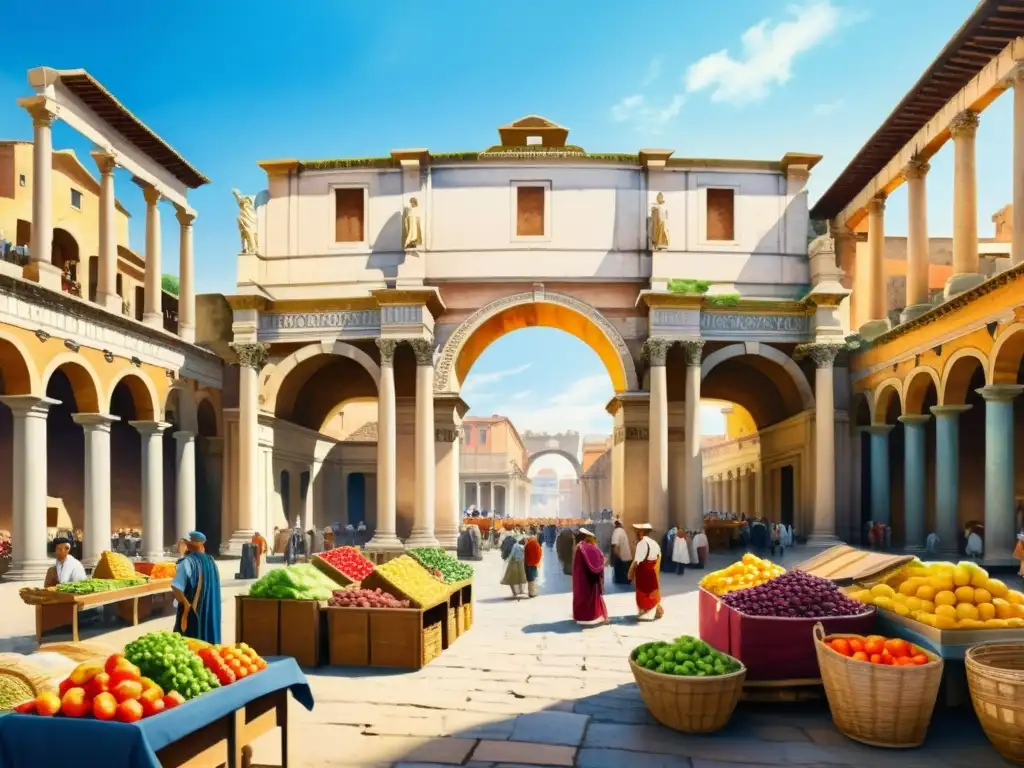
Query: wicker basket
[19, 681]
[690, 704]
[80, 652]
[995, 676]
[877, 704]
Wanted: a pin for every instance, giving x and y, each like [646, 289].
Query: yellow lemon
[986, 611]
[961, 576]
[909, 587]
[979, 577]
[882, 590]
[901, 609]
[965, 594]
[861, 595]
[970, 624]
[944, 622]
[943, 583]
[1018, 611]
[966, 611]
[926, 618]
[926, 592]
[928, 606]
[899, 598]
[1004, 610]
[914, 603]
[982, 595]
[1015, 623]
[884, 602]
[945, 597]
[996, 623]
[996, 588]
[946, 610]
[1015, 597]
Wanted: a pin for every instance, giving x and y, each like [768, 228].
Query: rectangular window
[530, 206]
[76, 199]
[467, 433]
[721, 214]
[349, 215]
[483, 435]
[21, 180]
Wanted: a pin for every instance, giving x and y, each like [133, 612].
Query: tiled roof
[365, 434]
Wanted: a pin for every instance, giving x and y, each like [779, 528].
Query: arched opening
[70, 385]
[16, 378]
[356, 495]
[65, 257]
[209, 473]
[132, 399]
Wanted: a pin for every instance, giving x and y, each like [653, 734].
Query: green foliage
[690, 287]
[723, 300]
[170, 284]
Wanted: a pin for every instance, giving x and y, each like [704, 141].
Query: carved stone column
[251, 358]
[917, 241]
[152, 447]
[448, 503]
[186, 277]
[657, 500]
[1017, 235]
[384, 538]
[693, 504]
[877, 321]
[423, 521]
[153, 310]
[966, 273]
[106, 272]
[40, 266]
[824, 530]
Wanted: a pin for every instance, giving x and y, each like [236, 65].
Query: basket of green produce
[686, 684]
[437, 561]
[92, 586]
[298, 582]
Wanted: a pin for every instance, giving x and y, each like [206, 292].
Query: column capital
[184, 436]
[29, 405]
[840, 231]
[42, 109]
[99, 421]
[149, 193]
[1000, 393]
[822, 354]
[881, 430]
[184, 215]
[876, 204]
[916, 168]
[424, 351]
[914, 419]
[251, 355]
[694, 351]
[949, 410]
[387, 349]
[656, 351]
[105, 161]
[964, 125]
[149, 428]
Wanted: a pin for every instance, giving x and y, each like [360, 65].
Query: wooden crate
[409, 638]
[300, 631]
[449, 629]
[332, 573]
[379, 558]
[257, 623]
[348, 636]
[376, 580]
[461, 601]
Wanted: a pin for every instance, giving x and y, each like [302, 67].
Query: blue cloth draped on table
[23, 738]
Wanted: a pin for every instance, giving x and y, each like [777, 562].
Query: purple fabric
[588, 583]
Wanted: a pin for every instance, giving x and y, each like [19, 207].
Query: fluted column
[1000, 479]
[384, 538]
[881, 508]
[917, 241]
[185, 482]
[947, 475]
[186, 277]
[28, 486]
[734, 491]
[96, 490]
[152, 450]
[40, 266]
[153, 312]
[693, 499]
[106, 267]
[877, 314]
[966, 273]
[759, 492]
[251, 358]
[845, 240]
[309, 522]
[824, 525]
[423, 521]
[657, 477]
[914, 532]
[1017, 236]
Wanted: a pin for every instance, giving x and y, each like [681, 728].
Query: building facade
[492, 465]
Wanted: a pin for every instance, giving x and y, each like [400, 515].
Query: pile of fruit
[948, 596]
[111, 565]
[163, 571]
[92, 586]
[113, 691]
[794, 595]
[349, 561]
[686, 656]
[411, 579]
[365, 598]
[451, 568]
[876, 649]
[299, 582]
[231, 662]
[166, 658]
[751, 571]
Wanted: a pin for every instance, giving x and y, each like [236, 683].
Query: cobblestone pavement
[526, 687]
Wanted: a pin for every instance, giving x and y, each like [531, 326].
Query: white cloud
[475, 382]
[653, 72]
[579, 407]
[828, 107]
[522, 395]
[768, 52]
[648, 117]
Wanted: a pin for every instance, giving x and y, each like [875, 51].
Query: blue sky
[228, 85]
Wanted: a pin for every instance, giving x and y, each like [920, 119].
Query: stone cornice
[668, 300]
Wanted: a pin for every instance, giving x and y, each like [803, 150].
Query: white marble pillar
[96, 490]
[734, 491]
[917, 241]
[876, 317]
[106, 262]
[490, 496]
[186, 277]
[823, 531]
[309, 505]
[759, 492]
[1000, 478]
[251, 358]
[693, 504]
[185, 489]
[153, 311]
[28, 487]
[479, 501]
[40, 266]
[384, 538]
[1017, 235]
[152, 450]
[424, 512]
[966, 271]
[657, 464]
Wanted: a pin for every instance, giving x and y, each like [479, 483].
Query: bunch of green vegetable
[165, 658]
[299, 582]
[450, 568]
[92, 586]
[685, 656]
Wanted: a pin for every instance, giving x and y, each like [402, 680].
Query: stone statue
[247, 222]
[412, 226]
[658, 224]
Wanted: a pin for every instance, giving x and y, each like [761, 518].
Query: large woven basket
[876, 704]
[995, 676]
[19, 681]
[690, 704]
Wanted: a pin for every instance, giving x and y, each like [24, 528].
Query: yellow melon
[965, 594]
[926, 592]
[945, 597]
[966, 611]
[944, 622]
[996, 623]
[914, 603]
[986, 611]
[884, 602]
[982, 595]
[941, 583]
[910, 586]
[961, 576]
[979, 577]
[1015, 597]
[928, 606]
[882, 590]
[1004, 610]
[946, 610]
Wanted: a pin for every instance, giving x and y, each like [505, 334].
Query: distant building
[492, 462]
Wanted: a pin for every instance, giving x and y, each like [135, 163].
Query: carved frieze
[401, 314]
[251, 355]
[341, 323]
[726, 324]
[445, 434]
[631, 434]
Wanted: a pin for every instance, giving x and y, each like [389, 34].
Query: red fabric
[648, 585]
[588, 583]
[534, 553]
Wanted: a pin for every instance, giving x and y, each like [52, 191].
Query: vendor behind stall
[196, 589]
[67, 569]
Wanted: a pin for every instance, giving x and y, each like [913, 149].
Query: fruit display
[114, 566]
[750, 571]
[411, 578]
[794, 595]
[875, 649]
[452, 569]
[92, 586]
[163, 571]
[231, 662]
[947, 596]
[686, 656]
[165, 658]
[298, 582]
[365, 598]
[348, 560]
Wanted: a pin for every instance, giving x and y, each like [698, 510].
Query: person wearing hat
[68, 569]
[515, 567]
[196, 588]
[621, 554]
[588, 608]
[644, 573]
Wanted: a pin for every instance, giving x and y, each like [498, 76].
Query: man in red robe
[588, 608]
[644, 575]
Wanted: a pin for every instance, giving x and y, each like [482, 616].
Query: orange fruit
[47, 703]
[919, 659]
[876, 658]
[104, 706]
[856, 644]
[840, 645]
[897, 647]
[860, 656]
[874, 645]
[904, 661]
[887, 658]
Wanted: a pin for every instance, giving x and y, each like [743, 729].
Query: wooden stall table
[720, 533]
[59, 609]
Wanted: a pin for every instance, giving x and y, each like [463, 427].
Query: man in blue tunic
[196, 588]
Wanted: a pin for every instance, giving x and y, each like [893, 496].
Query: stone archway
[782, 360]
[272, 385]
[556, 452]
[538, 308]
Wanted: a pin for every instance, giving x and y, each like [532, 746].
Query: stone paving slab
[527, 754]
[550, 728]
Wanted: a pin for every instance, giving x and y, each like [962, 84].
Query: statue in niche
[412, 226]
[247, 222]
[658, 224]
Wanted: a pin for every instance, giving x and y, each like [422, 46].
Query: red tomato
[919, 659]
[887, 658]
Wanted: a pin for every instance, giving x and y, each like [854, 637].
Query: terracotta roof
[993, 25]
[365, 434]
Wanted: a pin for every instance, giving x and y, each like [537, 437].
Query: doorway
[788, 493]
[356, 491]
